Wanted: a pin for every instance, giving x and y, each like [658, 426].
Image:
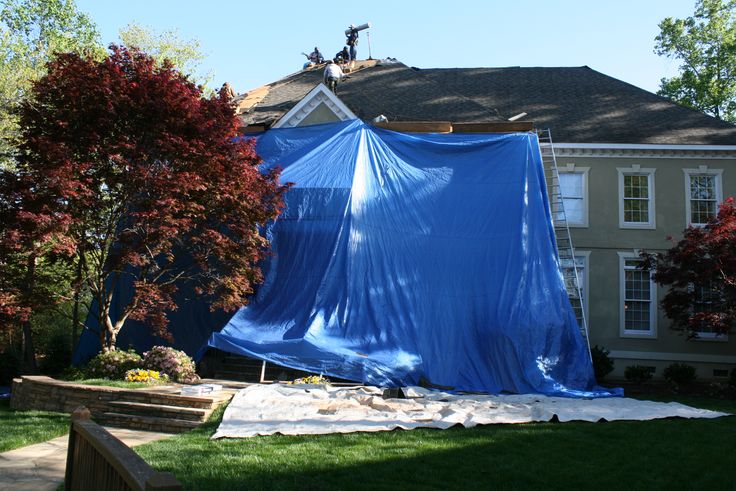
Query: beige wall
[603, 238]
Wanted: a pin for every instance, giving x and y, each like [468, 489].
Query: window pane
[573, 210]
[703, 205]
[636, 210]
[637, 297]
[571, 184]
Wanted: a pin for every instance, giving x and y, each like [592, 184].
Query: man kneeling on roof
[333, 74]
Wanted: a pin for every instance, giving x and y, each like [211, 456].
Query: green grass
[122, 384]
[21, 428]
[662, 454]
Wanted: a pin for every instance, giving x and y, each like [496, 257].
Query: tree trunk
[75, 309]
[29, 352]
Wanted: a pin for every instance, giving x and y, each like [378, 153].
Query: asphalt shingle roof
[578, 104]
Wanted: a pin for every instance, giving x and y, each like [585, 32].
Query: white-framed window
[574, 191]
[703, 193]
[582, 260]
[636, 197]
[705, 296]
[638, 294]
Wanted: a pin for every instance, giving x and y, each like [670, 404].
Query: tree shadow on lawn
[21, 428]
[673, 453]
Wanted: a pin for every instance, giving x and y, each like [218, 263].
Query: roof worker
[333, 74]
[314, 58]
[228, 90]
[352, 41]
[342, 56]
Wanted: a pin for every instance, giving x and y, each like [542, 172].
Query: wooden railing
[97, 460]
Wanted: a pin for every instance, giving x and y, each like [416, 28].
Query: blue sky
[250, 43]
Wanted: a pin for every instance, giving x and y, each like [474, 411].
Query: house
[635, 168]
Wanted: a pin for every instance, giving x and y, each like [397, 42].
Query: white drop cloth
[317, 409]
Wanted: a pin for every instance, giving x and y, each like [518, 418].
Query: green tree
[705, 45]
[184, 54]
[30, 32]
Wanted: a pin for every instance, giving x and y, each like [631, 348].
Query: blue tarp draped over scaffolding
[405, 258]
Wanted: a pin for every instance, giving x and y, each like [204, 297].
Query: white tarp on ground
[317, 409]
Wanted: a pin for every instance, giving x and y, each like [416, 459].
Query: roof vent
[518, 116]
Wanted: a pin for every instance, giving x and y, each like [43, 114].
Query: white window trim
[638, 171]
[575, 169]
[701, 170]
[319, 94]
[623, 332]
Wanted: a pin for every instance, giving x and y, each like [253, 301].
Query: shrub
[74, 373]
[113, 364]
[680, 373]
[174, 363]
[638, 374]
[145, 376]
[602, 364]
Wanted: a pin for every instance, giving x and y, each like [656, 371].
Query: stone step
[158, 410]
[150, 423]
[163, 399]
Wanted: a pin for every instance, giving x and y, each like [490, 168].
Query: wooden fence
[97, 460]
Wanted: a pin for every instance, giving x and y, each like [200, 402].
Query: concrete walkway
[40, 467]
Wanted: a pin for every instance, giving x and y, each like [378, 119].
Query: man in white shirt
[333, 74]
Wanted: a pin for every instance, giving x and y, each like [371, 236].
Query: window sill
[638, 335]
[637, 226]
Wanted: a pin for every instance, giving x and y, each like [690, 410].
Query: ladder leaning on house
[565, 249]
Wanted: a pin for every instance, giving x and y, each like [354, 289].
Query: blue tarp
[407, 258]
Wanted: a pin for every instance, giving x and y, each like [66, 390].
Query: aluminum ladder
[565, 249]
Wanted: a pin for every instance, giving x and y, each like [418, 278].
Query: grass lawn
[21, 428]
[675, 453]
[122, 384]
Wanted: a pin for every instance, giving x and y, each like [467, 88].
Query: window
[574, 191]
[568, 272]
[638, 298]
[706, 296]
[702, 194]
[636, 197]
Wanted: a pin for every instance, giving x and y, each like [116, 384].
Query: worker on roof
[228, 90]
[314, 58]
[352, 41]
[332, 76]
[342, 56]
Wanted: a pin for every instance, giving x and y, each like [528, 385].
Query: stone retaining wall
[46, 394]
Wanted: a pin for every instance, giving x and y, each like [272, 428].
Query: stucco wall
[604, 239]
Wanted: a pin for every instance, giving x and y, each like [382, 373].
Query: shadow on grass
[21, 428]
[672, 453]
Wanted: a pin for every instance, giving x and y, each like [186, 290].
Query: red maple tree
[701, 273]
[130, 173]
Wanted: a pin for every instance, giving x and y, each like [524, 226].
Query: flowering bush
[113, 364]
[145, 376]
[174, 363]
[311, 379]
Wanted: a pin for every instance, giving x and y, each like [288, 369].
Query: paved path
[40, 467]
